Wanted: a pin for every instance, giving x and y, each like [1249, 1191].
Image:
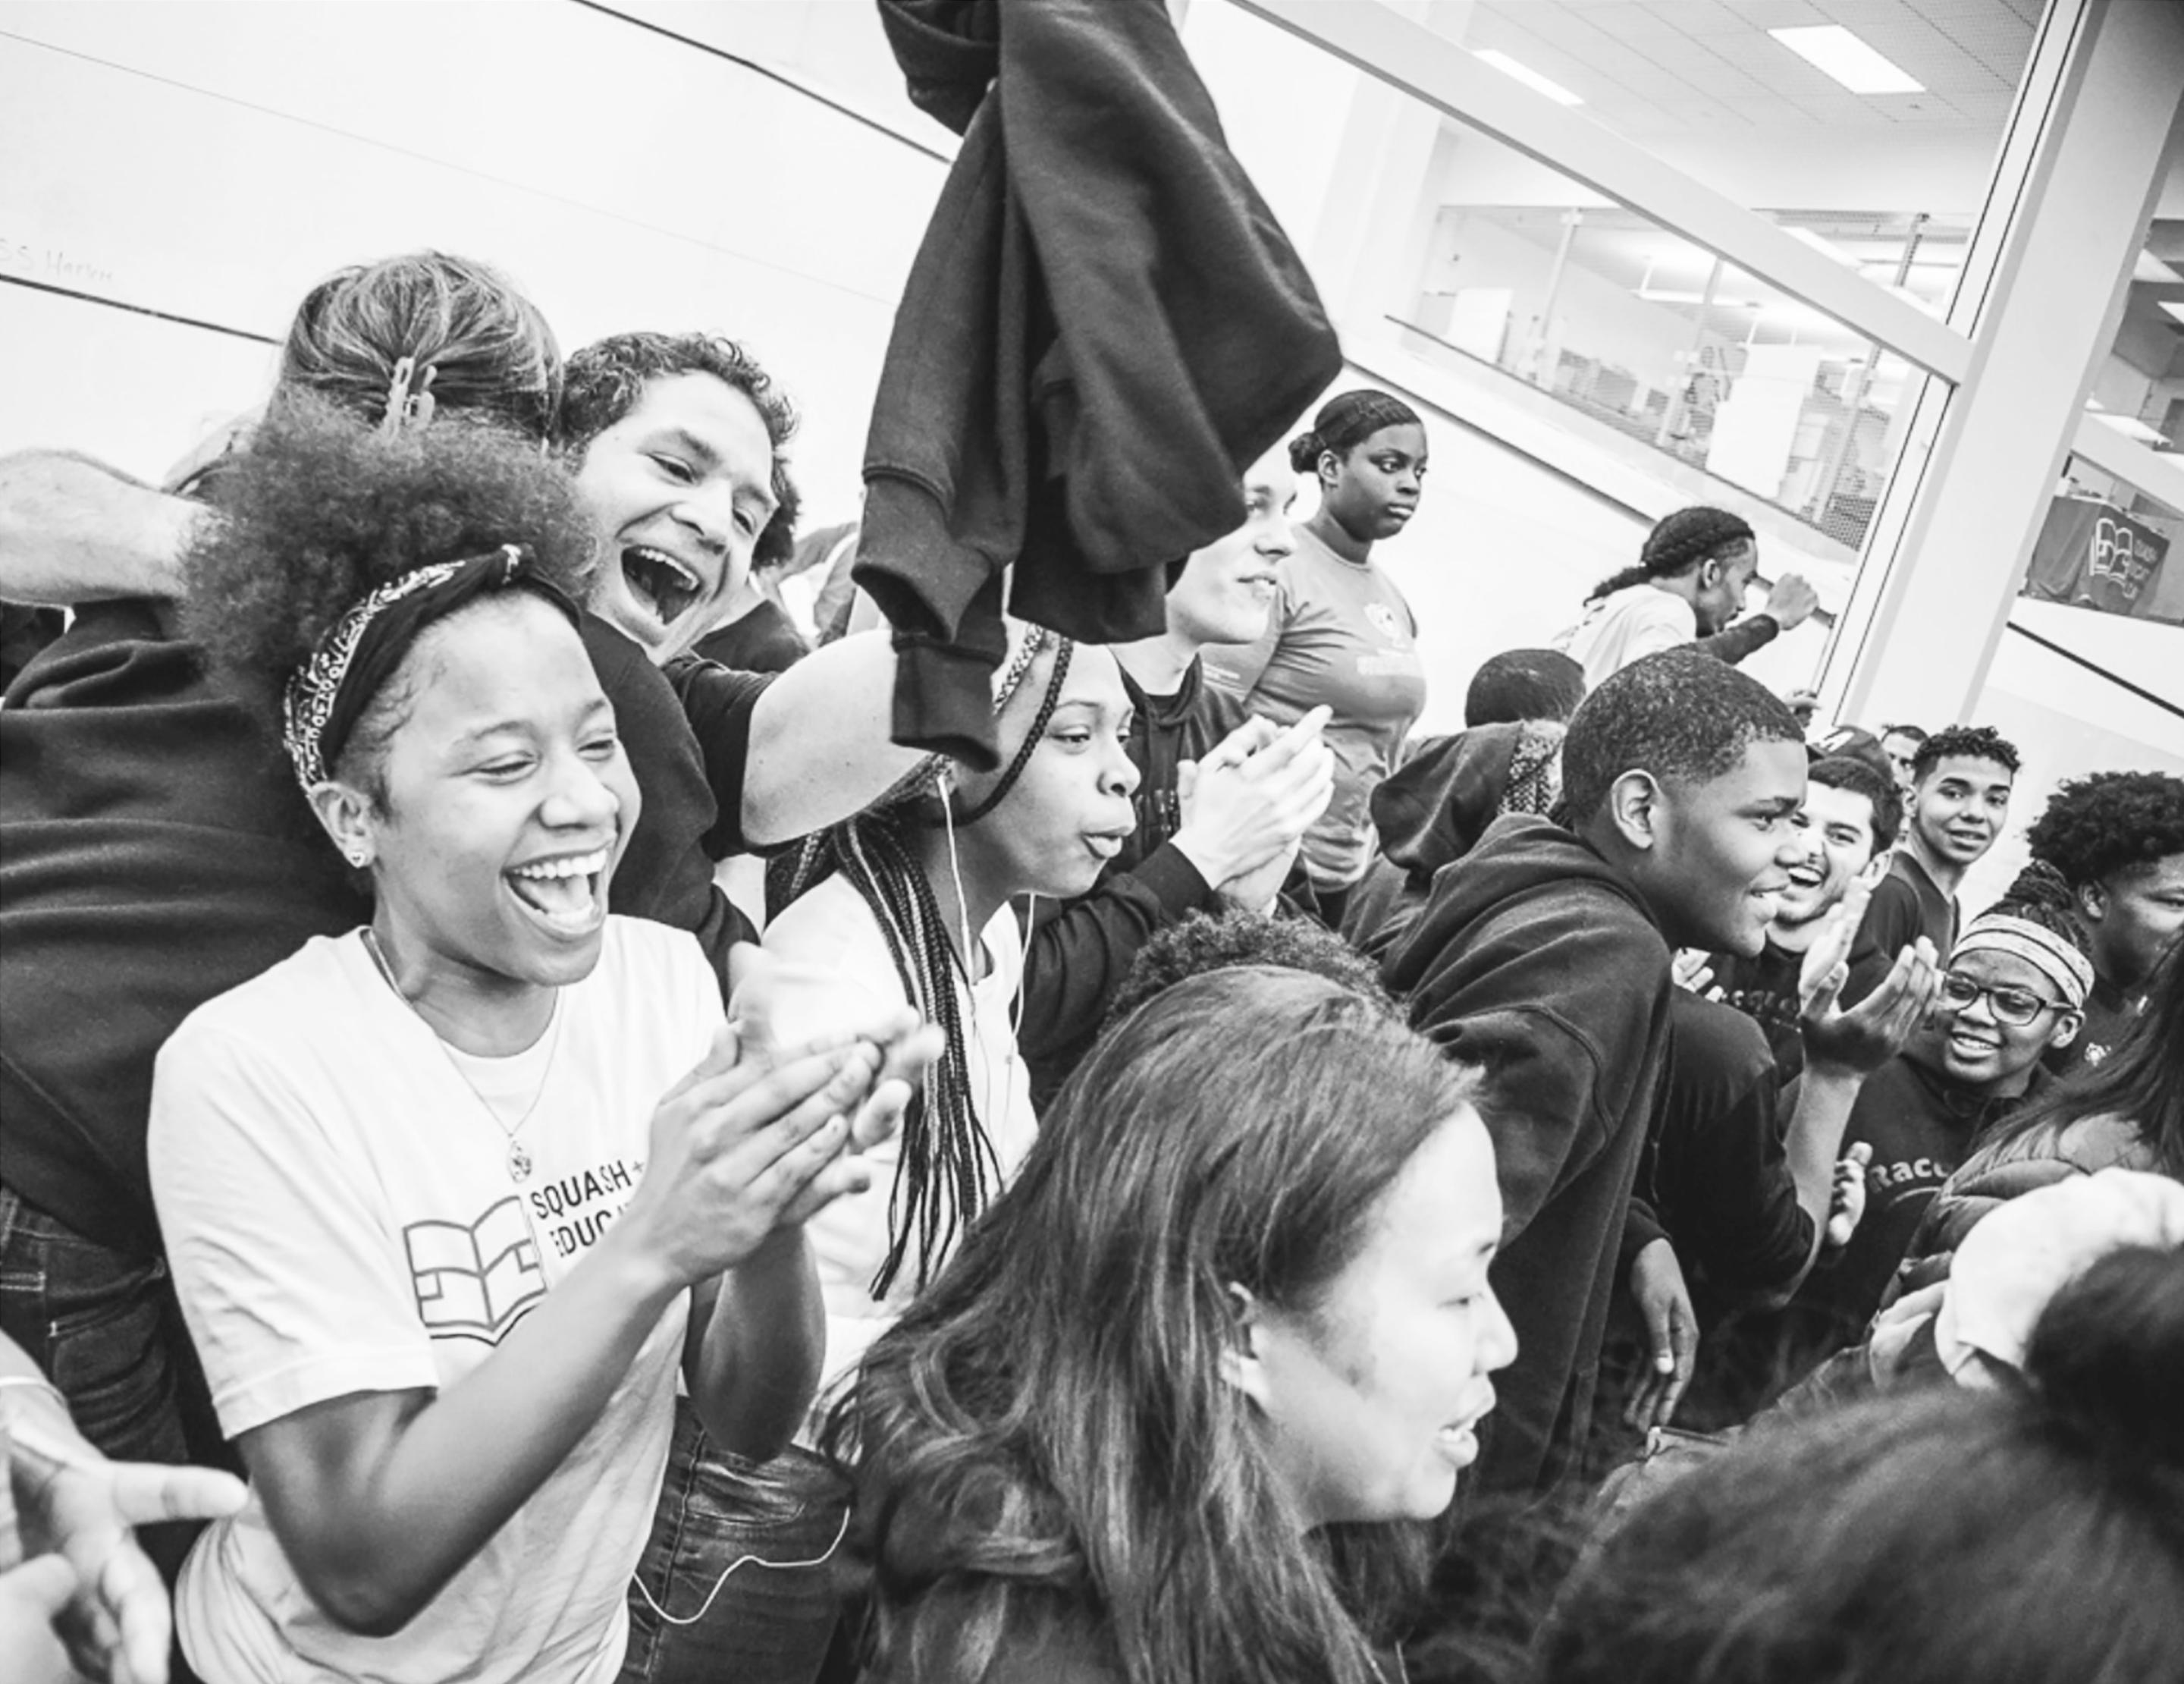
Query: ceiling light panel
[1835, 52]
[1530, 78]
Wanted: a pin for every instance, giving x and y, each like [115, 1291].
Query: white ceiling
[1655, 69]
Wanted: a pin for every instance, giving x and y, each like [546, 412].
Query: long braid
[948, 1166]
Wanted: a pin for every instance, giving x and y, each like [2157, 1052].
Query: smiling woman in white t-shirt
[450, 1201]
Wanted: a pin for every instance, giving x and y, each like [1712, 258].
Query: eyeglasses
[2016, 1007]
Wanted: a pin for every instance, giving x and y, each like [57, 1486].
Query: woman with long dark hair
[1235, 1305]
[451, 1199]
[1340, 634]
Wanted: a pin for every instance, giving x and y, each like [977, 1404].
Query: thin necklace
[519, 1160]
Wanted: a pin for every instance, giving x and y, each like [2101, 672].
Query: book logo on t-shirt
[475, 1282]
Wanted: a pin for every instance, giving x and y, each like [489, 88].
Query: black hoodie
[1434, 808]
[1537, 959]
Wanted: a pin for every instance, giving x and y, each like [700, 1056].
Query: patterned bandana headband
[2046, 952]
[328, 694]
[922, 778]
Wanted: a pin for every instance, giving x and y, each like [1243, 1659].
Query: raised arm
[820, 749]
[74, 529]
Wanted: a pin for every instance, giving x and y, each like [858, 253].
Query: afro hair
[2107, 823]
[320, 510]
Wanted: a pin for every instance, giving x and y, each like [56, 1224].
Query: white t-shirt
[340, 1217]
[1627, 625]
[832, 958]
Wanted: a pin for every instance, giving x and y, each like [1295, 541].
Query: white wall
[213, 160]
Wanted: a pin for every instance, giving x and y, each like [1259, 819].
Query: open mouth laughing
[660, 583]
[565, 891]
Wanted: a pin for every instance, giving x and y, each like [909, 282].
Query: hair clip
[405, 407]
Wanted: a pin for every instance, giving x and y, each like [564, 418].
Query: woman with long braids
[1688, 585]
[1340, 634]
[909, 903]
[451, 1199]
[1232, 1320]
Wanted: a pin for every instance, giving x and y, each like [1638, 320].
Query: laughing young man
[1961, 785]
[1849, 820]
[1544, 954]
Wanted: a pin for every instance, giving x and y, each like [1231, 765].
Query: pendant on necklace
[519, 1162]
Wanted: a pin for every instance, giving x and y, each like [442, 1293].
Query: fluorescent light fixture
[1525, 74]
[2174, 309]
[1834, 51]
[2149, 267]
[1826, 248]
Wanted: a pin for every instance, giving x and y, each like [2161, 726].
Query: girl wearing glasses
[2015, 986]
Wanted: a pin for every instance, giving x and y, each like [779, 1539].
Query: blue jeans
[769, 1620]
[103, 1326]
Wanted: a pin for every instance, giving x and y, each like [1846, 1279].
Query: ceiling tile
[1700, 18]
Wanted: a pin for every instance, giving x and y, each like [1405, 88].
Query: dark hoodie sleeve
[1892, 924]
[1721, 1173]
[1077, 952]
[1754, 632]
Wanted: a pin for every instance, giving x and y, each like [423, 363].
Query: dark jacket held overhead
[1104, 325]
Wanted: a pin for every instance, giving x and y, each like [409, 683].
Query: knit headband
[328, 694]
[2051, 955]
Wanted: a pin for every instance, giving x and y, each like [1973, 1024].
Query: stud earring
[358, 858]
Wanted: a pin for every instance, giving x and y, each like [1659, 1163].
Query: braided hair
[948, 1168]
[1346, 422]
[1678, 542]
[2040, 894]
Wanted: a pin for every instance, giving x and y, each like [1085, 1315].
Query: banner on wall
[2092, 555]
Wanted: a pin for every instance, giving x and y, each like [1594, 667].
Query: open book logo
[475, 1282]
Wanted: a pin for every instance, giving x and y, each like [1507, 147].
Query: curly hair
[2107, 823]
[1681, 715]
[483, 349]
[1965, 742]
[1678, 542]
[1205, 942]
[606, 378]
[321, 509]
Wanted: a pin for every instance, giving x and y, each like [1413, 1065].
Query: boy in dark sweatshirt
[1543, 956]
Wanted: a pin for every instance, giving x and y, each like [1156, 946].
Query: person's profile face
[1958, 806]
[508, 799]
[1836, 827]
[679, 489]
[1069, 812]
[1723, 850]
[1227, 587]
[1723, 600]
[1372, 1399]
[2141, 916]
[1376, 488]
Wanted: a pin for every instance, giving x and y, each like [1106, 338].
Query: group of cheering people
[1211, 1196]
